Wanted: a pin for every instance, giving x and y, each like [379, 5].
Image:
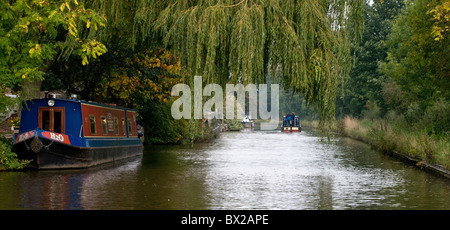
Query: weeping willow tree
[303, 44]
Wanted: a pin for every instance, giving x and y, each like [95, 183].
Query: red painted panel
[110, 127]
[56, 137]
[24, 136]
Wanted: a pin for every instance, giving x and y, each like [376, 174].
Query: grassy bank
[392, 136]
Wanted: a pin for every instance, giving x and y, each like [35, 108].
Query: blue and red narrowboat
[68, 133]
[291, 124]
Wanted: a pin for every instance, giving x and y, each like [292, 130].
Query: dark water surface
[239, 170]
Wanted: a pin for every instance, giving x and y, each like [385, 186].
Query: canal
[239, 170]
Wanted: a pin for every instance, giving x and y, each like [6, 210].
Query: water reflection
[77, 189]
[251, 170]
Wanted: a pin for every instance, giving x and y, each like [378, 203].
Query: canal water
[239, 170]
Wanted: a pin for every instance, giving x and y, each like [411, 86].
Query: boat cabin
[67, 133]
[82, 119]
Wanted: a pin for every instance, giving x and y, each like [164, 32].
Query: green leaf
[84, 61]
[62, 7]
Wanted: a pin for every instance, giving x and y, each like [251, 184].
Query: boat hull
[247, 124]
[47, 154]
[291, 125]
[291, 129]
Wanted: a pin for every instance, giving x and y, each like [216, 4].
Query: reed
[389, 136]
[352, 127]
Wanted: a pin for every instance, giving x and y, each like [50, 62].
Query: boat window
[129, 126]
[46, 120]
[51, 119]
[104, 127]
[92, 122]
[57, 121]
[124, 127]
[116, 126]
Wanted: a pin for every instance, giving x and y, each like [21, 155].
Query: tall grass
[351, 127]
[389, 136]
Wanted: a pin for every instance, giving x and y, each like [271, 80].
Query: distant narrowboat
[247, 122]
[290, 125]
[68, 133]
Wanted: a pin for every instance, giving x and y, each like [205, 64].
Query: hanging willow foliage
[304, 44]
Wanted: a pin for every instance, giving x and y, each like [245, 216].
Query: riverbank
[428, 152]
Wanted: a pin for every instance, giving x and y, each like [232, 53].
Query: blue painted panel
[29, 117]
[102, 142]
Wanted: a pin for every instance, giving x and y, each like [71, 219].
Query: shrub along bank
[426, 150]
[8, 159]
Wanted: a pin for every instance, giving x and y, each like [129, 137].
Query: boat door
[52, 119]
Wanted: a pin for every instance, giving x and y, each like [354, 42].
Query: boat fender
[36, 145]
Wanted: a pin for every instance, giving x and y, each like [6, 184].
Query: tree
[365, 84]
[144, 76]
[305, 43]
[120, 36]
[417, 62]
[144, 82]
[34, 32]
[441, 18]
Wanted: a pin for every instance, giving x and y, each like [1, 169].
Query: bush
[437, 117]
[393, 96]
[8, 159]
[413, 113]
[372, 111]
[159, 127]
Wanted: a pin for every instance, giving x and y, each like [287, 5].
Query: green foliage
[304, 43]
[401, 66]
[159, 126]
[364, 88]
[441, 19]
[144, 76]
[393, 134]
[33, 32]
[405, 99]
[234, 124]
[290, 102]
[418, 65]
[8, 159]
[413, 112]
[416, 61]
[436, 117]
[5, 101]
[144, 82]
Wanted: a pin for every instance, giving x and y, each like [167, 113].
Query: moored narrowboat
[291, 124]
[68, 133]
